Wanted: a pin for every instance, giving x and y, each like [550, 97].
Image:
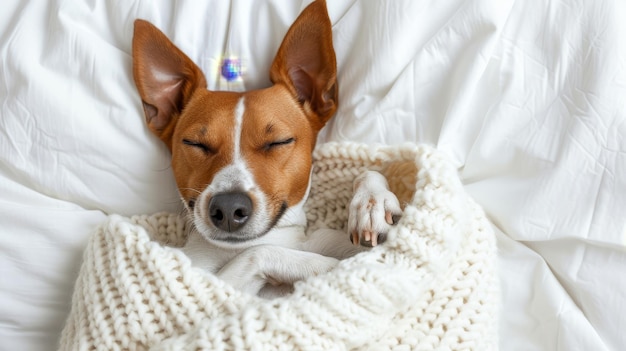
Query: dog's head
[240, 160]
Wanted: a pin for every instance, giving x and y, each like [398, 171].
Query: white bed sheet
[529, 98]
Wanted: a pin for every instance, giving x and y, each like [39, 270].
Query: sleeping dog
[242, 161]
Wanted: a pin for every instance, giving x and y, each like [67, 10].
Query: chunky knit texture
[432, 285]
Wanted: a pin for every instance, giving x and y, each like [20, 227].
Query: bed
[527, 98]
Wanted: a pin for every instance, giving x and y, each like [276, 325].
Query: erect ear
[306, 62]
[165, 77]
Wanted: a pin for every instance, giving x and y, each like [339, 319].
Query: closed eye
[278, 143]
[204, 147]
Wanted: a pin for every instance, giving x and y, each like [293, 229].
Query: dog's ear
[165, 77]
[306, 62]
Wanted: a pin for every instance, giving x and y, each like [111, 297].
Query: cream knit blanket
[432, 285]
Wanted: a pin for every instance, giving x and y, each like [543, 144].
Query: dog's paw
[373, 210]
[322, 264]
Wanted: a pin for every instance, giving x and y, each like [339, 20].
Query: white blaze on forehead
[236, 176]
[237, 130]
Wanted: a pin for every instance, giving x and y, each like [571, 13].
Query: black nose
[230, 211]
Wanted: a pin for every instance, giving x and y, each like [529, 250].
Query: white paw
[373, 210]
[322, 264]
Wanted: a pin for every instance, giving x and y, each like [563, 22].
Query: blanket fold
[432, 285]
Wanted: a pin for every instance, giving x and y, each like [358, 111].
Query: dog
[242, 161]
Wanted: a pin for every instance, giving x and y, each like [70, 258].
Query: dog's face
[240, 160]
[255, 147]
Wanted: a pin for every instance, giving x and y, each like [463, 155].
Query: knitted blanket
[432, 285]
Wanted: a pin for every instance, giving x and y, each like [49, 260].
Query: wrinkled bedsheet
[527, 97]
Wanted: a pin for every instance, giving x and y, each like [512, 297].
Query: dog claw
[369, 239]
[388, 218]
[392, 219]
[354, 238]
[374, 240]
[367, 236]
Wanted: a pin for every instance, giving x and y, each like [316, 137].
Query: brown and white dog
[242, 161]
